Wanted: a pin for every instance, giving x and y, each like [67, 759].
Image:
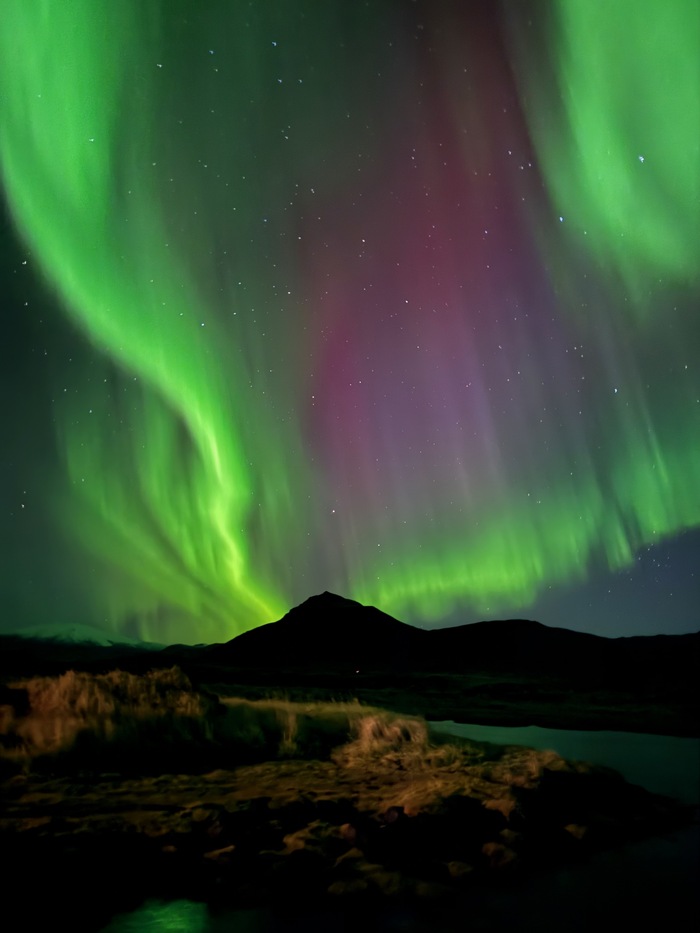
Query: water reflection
[157, 917]
[662, 764]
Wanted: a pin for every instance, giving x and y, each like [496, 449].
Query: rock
[220, 855]
[201, 815]
[499, 856]
[349, 856]
[389, 883]
[578, 832]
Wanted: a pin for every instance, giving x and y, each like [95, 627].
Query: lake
[661, 763]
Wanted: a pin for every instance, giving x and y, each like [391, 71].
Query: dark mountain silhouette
[328, 632]
[511, 671]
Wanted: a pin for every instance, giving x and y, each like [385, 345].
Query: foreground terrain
[142, 786]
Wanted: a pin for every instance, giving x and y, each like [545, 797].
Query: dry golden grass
[79, 709]
[159, 723]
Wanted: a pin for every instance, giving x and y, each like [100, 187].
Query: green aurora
[197, 185]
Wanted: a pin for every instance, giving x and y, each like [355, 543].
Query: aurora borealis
[394, 299]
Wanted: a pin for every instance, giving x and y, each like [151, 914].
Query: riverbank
[489, 699]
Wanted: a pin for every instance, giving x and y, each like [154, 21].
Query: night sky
[394, 299]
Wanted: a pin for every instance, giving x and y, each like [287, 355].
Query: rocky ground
[345, 827]
[108, 789]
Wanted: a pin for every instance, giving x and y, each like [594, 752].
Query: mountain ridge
[331, 632]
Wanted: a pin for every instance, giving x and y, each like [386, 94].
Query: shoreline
[491, 703]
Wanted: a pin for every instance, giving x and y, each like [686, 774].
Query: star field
[396, 299]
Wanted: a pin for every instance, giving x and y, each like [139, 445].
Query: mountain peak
[323, 606]
[326, 598]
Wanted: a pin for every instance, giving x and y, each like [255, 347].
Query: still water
[652, 885]
[661, 763]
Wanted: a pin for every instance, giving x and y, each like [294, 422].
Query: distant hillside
[78, 634]
[53, 650]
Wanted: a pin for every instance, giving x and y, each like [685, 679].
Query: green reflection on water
[170, 917]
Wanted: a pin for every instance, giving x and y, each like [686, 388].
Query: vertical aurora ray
[339, 337]
[615, 120]
[545, 441]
